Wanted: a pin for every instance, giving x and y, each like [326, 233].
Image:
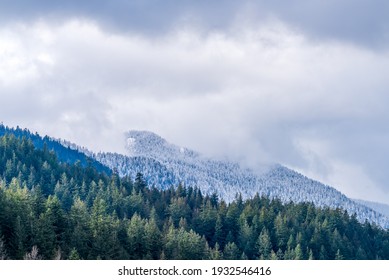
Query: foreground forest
[55, 210]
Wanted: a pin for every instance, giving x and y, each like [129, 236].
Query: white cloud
[259, 93]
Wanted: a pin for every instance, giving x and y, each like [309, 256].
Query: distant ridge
[64, 153]
[164, 165]
[378, 207]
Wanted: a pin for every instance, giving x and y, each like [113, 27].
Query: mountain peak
[141, 142]
[165, 165]
[147, 143]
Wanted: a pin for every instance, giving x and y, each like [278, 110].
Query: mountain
[378, 207]
[164, 165]
[52, 210]
[65, 152]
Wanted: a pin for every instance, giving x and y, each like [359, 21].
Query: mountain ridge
[163, 165]
[376, 206]
[65, 151]
[52, 210]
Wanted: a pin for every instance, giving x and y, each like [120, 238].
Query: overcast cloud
[303, 84]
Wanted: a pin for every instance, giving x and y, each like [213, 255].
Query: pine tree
[170, 243]
[153, 239]
[280, 254]
[361, 254]
[45, 237]
[273, 255]
[264, 245]
[137, 237]
[219, 236]
[246, 239]
[178, 209]
[104, 231]
[81, 234]
[323, 253]
[19, 238]
[56, 217]
[231, 251]
[299, 255]
[215, 253]
[73, 255]
[187, 245]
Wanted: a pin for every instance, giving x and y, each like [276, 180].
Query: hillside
[63, 152]
[378, 207]
[55, 210]
[164, 165]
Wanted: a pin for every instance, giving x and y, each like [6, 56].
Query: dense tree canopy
[55, 210]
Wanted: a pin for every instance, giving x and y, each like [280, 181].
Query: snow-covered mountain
[163, 165]
[378, 207]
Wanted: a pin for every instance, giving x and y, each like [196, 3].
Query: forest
[51, 209]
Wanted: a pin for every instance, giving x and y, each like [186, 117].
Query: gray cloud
[363, 22]
[257, 91]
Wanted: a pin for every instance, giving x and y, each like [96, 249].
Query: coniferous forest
[50, 209]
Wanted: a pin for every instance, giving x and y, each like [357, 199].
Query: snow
[164, 165]
[378, 207]
[131, 143]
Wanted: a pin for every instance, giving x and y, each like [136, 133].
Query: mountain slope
[378, 207]
[164, 165]
[64, 151]
[52, 210]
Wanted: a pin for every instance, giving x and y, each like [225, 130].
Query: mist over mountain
[164, 165]
[56, 210]
[378, 207]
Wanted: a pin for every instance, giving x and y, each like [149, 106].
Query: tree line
[55, 210]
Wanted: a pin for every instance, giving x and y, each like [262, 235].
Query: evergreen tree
[137, 238]
[231, 251]
[81, 234]
[264, 245]
[299, 255]
[153, 239]
[74, 255]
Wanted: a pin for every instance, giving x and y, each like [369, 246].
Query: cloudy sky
[303, 82]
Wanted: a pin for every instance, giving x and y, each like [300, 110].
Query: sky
[301, 83]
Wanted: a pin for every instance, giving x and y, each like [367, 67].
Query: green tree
[215, 253]
[299, 255]
[178, 209]
[264, 245]
[81, 235]
[104, 232]
[73, 255]
[231, 252]
[137, 238]
[153, 239]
